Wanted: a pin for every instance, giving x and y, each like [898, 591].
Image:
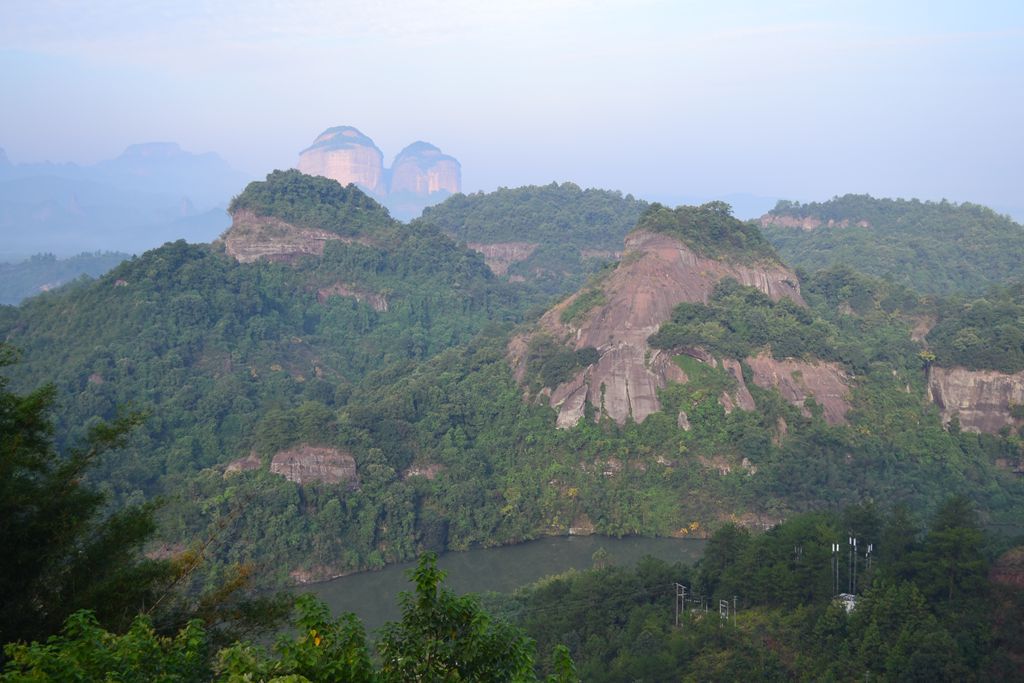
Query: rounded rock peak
[422, 153]
[341, 137]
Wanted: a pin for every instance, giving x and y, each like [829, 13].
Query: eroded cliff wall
[346, 155]
[982, 400]
[420, 175]
[252, 237]
[658, 272]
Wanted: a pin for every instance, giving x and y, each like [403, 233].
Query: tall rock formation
[982, 400]
[344, 154]
[657, 272]
[420, 176]
[422, 169]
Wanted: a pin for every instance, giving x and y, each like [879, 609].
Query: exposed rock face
[303, 464]
[429, 472]
[420, 175]
[807, 223]
[799, 380]
[379, 302]
[246, 464]
[981, 399]
[657, 273]
[252, 237]
[500, 255]
[422, 169]
[346, 155]
[1008, 570]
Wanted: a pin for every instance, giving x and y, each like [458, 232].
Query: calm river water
[372, 595]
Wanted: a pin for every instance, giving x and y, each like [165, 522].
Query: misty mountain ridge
[149, 194]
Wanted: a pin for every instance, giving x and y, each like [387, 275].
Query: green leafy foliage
[711, 230]
[85, 651]
[313, 202]
[441, 637]
[984, 333]
[570, 225]
[931, 247]
[43, 272]
[585, 302]
[231, 359]
[738, 321]
[62, 550]
[619, 623]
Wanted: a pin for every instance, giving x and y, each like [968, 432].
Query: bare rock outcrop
[500, 255]
[246, 464]
[807, 223]
[982, 400]
[376, 300]
[304, 464]
[344, 154]
[657, 272]
[797, 380]
[421, 174]
[1008, 569]
[252, 237]
[422, 169]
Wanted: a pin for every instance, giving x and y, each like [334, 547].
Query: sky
[801, 100]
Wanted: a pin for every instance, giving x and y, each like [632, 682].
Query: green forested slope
[926, 608]
[980, 333]
[563, 219]
[932, 247]
[711, 230]
[44, 272]
[227, 359]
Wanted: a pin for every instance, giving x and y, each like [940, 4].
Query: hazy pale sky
[792, 99]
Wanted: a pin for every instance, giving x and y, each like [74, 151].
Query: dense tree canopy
[932, 247]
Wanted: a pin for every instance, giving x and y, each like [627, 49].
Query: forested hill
[551, 234]
[342, 397]
[313, 202]
[932, 247]
[44, 272]
[710, 230]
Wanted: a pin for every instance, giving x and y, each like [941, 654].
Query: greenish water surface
[372, 595]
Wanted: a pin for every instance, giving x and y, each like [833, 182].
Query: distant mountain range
[150, 194]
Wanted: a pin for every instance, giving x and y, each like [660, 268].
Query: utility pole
[680, 600]
[734, 610]
[852, 580]
[853, 565]
[835, 569]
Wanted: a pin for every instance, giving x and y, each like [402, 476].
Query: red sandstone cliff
[982, 400]
[658, 272]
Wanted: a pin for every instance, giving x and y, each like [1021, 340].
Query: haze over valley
[706, 324]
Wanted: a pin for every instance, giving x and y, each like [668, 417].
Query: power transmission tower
[680, 600]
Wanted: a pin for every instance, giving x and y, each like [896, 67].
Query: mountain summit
[420, 176]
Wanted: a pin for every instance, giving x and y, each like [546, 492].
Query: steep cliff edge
[291, 214]
[252, 237]
[421, 174]
[658, 271]
[982, 400]
[500, 255]
[423, 169]
[305, 463]
[344, 154]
